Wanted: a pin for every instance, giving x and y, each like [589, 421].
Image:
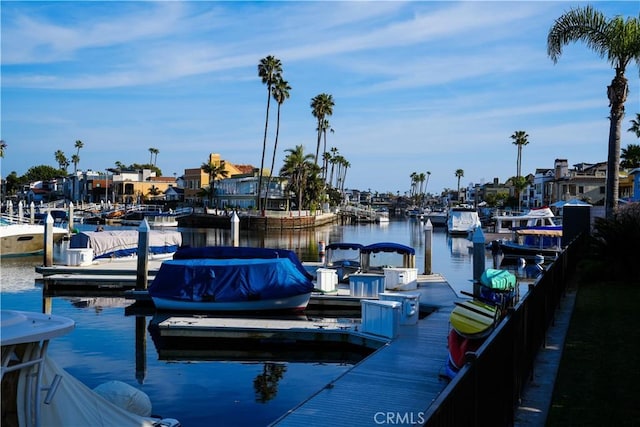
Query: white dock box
[327, 279]
[381, 317]
[366, 285]
[405, 279]
[79, 257]
[410, 301]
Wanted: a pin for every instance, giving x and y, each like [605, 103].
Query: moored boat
[462, 220]
[529, 242]
[536, 217]
[37, 392]
[123, 244]
[20, 238]
[221, 279]
[344, 258]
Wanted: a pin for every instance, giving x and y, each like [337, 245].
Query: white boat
[438, 218]
[537, 217]
[529, 242]
[462, 220]
[123, 244]
[18, 237]
[37, 392]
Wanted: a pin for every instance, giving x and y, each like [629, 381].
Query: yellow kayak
[473, 318]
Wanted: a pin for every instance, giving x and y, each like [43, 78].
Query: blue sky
[418, 86]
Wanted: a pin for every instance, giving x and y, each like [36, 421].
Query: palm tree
[635, 125]
[214, 171]
[61, 159]
[459, 174]
[427, 184]
[270, 71]
[321, 107]
[520, 138]
[297, 167]
[630, 156]
[325, 156]
[618, 40]
[280, 94]
[153, 151]
[332, 160]
[3, 146]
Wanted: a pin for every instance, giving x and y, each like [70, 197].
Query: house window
[581, 189]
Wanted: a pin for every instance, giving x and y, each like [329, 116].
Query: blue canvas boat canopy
[344, 246]
[229, 280]
[389, 247]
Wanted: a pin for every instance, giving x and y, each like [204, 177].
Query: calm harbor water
[193, 388]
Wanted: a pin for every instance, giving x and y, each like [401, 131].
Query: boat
[378, 256]
[499, 287]
[462, 219]
[37, 392]
[474, 318]
[437, 217]
[459, 346]
[232, 279]
[123, 244]
[382, 216]
[529, 242]
[536, 217]
[344, 258]
[18, 237]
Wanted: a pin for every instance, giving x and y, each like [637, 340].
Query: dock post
[235, 229]
[142, 271]
[32, 213]
[428, 242]
[70, 217]
[48, 240]
[478, 258]
[20, 212]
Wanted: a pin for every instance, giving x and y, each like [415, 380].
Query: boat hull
[292, 303]
[25, 240]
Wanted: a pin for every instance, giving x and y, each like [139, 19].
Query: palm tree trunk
[264, 148]
[617, 93]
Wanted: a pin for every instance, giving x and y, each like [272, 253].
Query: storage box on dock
[398, 278]
[366, 285]
[327, 279]
[79, 257]
[410, 312]
[381, 318]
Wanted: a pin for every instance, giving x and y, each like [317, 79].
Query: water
[103, 346]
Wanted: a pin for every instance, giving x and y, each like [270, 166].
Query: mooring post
[70, 217]
[32, 213]
[48, 240]
[428, 242]
[142, 271]
[235, 229]
[20, 212]
[478, 258]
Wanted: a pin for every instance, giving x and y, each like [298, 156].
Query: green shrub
[615, 246]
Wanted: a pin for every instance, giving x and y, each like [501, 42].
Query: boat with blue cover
[221, 279]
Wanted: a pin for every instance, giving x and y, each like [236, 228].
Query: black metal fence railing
[487, 390]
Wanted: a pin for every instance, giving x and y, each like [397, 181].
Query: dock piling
[142, 271]
[235, 229]
[428, 239]
[48, 241]
[478, 258]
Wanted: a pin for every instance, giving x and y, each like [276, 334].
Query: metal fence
[487, 390]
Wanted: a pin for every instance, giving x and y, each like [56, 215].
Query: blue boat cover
[344, 246]
[229, 280]
[238, 252]
[388, 247]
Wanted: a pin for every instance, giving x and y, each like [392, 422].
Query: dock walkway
[394, 385]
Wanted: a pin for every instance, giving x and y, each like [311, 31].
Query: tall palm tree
[3, 146]
[635, 125]
[280, 94]
[214, 171]
[270, 71]
[321, 107]
[325, 157]
[459, 174]
[297, 167]
[427, 184]
[334, 154]
[151, 155]
[520, 138]
[618, 40]
[154, 152]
